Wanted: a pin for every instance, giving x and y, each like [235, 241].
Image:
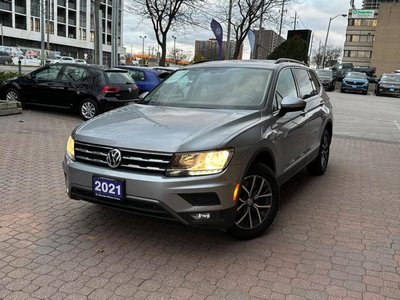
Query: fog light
[201, 216]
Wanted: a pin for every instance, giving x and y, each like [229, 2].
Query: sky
[312, 14]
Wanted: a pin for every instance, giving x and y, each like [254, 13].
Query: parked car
[340, 70]
[63, 60]
[327, 79]
[388, 84]
[5, 58]
[89, 90]
[369, 71]
[355, 82]
[209, 147]
[146, 78]
[80, 61]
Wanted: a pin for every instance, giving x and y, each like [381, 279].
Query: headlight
[71, 148]
[200, 163]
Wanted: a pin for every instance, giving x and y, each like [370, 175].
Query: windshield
[240, 88]
[356, 75]
[391, 78]
[324, 73]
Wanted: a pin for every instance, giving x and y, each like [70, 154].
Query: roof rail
[281, 60]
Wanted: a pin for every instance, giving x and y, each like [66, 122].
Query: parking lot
[335, 236]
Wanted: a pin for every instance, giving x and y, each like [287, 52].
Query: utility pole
[97, 33]
[282, 12]
[295, 20]
[174, 37]
[2, 36]
[311, 45]
[114, 33]
[48, 11]
[228, 39]
[257, 55]
[143, 37]
[42, 25]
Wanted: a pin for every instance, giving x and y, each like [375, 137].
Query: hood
[165, 129]
[390, 83]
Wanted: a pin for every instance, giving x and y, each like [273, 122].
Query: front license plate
[392, 90]
[355, 87]
[108, 188]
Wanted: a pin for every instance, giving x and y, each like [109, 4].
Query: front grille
[355, 83]
[131, 159]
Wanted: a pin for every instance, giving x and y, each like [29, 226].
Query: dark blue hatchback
[355, 82]
[145, 78]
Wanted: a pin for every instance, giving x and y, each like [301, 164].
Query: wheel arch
[265, 156]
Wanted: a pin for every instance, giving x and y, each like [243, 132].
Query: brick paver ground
[335, 237]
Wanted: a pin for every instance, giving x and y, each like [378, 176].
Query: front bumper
[348, 87]
[171, 198]
[389, 91]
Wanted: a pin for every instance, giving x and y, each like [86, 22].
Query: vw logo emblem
[114, 158]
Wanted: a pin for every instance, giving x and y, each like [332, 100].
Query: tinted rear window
[119, 77]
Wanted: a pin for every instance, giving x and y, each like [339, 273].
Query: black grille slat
[131, 159]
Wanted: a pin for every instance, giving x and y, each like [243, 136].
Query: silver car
[209, 147]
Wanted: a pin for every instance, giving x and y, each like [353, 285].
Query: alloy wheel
[255, 202]
[88, 110]
[12, 96]
[324, 151]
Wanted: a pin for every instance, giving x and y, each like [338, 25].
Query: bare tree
[177, 54]
[246, 14]
[164, 15]
[332, 55]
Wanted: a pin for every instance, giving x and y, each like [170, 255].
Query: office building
[69, 26]
[374, 4]
[266, 43]
[209, 49]
[372, 36]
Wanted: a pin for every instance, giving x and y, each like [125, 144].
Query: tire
[319, 165]
[342, 90]
[365, 93]
[377, 93]
[88, 109]
[12, 95]
[256, 213]
[6, 62]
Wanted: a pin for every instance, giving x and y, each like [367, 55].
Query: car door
[289, 129]
[310, 88]
[70, 85]
[41, 93]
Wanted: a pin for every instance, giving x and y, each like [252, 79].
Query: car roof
[97, 67]
[144, 69]
[268, 64]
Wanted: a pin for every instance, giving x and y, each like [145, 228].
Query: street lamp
[174, 37]
[143, 37]
[327, 34]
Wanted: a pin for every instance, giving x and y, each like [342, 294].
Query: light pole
[143, 37]
[174, 37]
[326, 38]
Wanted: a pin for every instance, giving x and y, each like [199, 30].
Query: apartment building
[209, 49]
[265, 43]
[69, 26]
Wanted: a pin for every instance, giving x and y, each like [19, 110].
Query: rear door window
[285, 87]
[75, 74]
[137, 75]
[305, 84]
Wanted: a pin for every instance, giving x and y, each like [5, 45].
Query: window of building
[82, 6]
[61, 30]
[92, 36]
[72, 4]
[82, 19]
[20, 7]
[72, 32]
[5, 4]
[20, 22]
[35, 24]
[82, 33]
[35, 8]
[355, 38]
[62, 3]
[357, 22]
[50, 27]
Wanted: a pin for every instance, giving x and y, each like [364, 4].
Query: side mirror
[290, 104]
[143, 95]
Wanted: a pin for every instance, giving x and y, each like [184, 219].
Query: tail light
[110, 89]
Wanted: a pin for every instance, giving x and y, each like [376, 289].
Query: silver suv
[209, 147]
